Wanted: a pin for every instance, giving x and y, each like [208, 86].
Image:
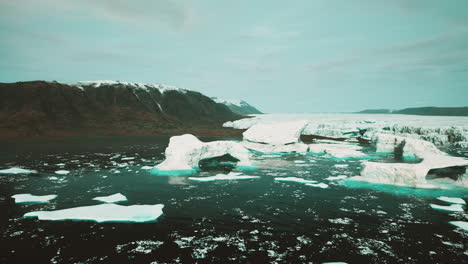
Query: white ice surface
[336, 178]
[337, 150]
[16, 170]
[461, 224]
[294, 179]
[29, 198]
[62, 172]
[220, 177]
[114, 198]
[448, 208]
[103, 213]
[452, 200]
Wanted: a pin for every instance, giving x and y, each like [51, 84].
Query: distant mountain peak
[237, 106]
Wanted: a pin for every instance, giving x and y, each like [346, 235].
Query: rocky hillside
[239, 107]
[52, 108]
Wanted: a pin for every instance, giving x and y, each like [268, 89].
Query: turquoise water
[247, 221]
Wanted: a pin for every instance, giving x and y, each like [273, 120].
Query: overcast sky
[294, 56]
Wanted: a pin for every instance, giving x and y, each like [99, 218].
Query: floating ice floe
[29, 198]
[103, 213]
[185, 152]
[336, 178]
[448, 208]
[319, 185]
[451, 200]
[461, 224]
[276, 137]
[62, 172]
[294, 179]
[16, 170]
[340, 151]
[219, 177]
[147, 167]
[115, 198]
[128, 158]
[334, 263]
[406, 174]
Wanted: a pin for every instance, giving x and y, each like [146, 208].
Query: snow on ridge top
[136, 85]
[235, 102]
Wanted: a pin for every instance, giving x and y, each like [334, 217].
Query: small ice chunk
[116, 172]
[319, 185]
[62, 172]
[341, 166]
[103, 213]
[452, 200]
[118, 197]
[461, 224]
[128, 158]
[16, 170]
[294, 179]
[147, 167]
[29, 198]
[230, 176]
[60, 164]
[449, 208]
[334, 263]
[299, 161]
[336, 178]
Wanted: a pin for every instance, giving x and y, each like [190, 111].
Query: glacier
[108, 212]
[29, 198]
[185, 152]
[442, 131]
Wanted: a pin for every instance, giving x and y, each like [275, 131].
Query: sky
[300, 56]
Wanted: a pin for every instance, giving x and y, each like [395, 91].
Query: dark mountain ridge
[51, 108]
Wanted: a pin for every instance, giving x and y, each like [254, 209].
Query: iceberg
[449, 208]
[275, 138]
[294, 179]
[16, 170]
[185, 152]
[103, 213]
[62, 172]
[29, 198]
[461, 224]
[115, 198]
[451, 200]
[319, 185]
[218, 177]
[275, 134]
[414, 175]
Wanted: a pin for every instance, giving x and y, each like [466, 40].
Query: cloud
[177, 14]
[267, 32]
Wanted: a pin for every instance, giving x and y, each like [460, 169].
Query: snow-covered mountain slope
[239, 107]
[52, 108]
[441, 130]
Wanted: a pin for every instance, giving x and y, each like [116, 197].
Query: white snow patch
[118, 197]
[29, 198]
[103, 213]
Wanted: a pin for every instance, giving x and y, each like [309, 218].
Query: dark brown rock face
[50, 108]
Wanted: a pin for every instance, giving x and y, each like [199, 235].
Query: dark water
[246, 221]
